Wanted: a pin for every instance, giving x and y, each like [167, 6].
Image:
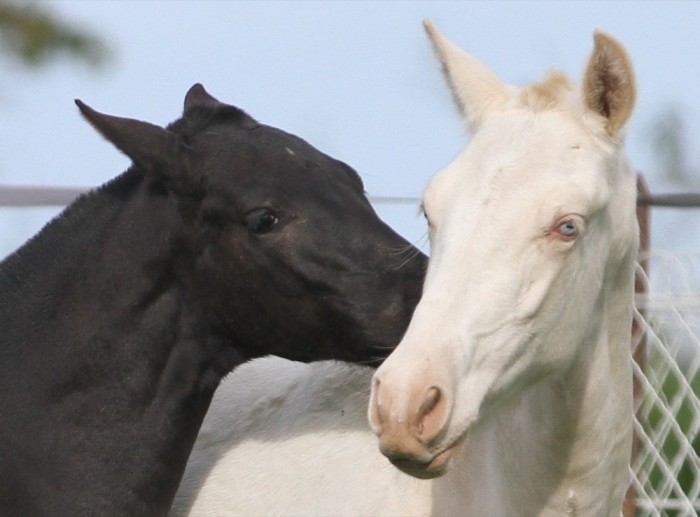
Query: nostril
[430, 401]
[431, 414]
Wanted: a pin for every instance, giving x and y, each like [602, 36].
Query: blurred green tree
[668, 136]
[34, 35]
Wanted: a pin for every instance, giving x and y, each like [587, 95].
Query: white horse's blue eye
[567, 229]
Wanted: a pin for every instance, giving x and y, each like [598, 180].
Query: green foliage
[35, 36]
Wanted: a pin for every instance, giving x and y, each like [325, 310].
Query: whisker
[422, 241]
[400, 250]
[411, 251]
[376, 347]
[372, 361]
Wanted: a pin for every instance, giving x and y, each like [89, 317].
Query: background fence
[665, 470]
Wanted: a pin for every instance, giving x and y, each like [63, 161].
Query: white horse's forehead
[523, 158]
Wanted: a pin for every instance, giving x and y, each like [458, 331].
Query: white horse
[518, 353]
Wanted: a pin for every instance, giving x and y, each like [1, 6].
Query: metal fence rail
[25, 195]
[18, 195]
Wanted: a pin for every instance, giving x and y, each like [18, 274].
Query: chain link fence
[666, 467]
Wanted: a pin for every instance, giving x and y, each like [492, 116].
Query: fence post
[638, 339]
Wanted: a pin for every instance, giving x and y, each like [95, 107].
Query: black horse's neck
[109, 406]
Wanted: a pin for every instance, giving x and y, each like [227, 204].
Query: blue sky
[356, 79]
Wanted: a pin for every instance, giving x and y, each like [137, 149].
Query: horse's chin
[436, 467]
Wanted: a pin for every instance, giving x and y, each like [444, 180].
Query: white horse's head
[532, 231]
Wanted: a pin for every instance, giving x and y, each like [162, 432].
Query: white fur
[546, 420]
[286, 438]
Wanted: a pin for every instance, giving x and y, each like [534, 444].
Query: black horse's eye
[260, 220]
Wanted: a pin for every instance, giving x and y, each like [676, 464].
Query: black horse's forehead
[269, 155]
[230, 126]
[299, 148]
[278, 140]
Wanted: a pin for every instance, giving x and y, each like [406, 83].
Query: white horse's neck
[533, 455]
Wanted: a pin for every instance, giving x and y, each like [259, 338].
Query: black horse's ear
[197, 96]
[146, 144]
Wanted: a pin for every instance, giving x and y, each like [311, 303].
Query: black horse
[226, 240]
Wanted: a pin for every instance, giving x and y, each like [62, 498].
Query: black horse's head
[281, 250]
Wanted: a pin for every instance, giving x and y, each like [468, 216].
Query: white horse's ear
[477, 91]
[608, 85]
